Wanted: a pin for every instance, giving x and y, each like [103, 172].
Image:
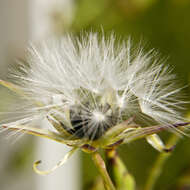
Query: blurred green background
[160, 24]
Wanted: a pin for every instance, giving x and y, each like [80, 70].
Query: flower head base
[95, 92]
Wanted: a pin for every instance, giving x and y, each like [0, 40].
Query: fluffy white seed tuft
[96, 73]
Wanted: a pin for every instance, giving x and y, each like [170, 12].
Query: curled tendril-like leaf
[59, 164]
[156, 142]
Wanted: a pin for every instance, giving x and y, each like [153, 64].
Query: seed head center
[98, 116]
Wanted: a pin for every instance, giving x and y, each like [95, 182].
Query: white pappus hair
[99, 81]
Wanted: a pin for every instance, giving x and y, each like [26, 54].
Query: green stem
[159, 163]
[121, 177]
[100, 164]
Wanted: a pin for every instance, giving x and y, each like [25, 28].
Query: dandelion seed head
[92, 83]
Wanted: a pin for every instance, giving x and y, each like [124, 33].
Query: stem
[159, 163]
[100, 164]
[122, 178]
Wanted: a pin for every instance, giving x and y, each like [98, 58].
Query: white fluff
[69, 72]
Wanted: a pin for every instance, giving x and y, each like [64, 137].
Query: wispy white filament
[91, 72]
